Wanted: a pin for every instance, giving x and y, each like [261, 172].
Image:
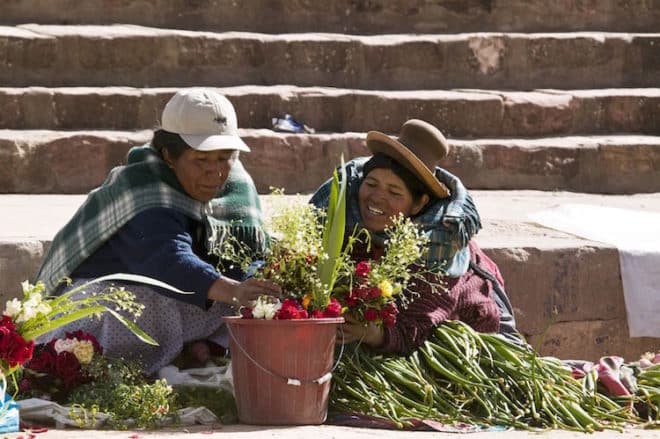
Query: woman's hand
[370, 333]
[236, 293]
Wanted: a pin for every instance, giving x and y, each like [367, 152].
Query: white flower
[29, 312]
[26, 287]
[265, 308]
[13, 308]
[65, 345]
[44, 308]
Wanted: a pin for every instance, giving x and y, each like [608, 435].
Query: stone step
[459, 113]
[128, 55]
[346, 16]
[76, 161]
[543, 269]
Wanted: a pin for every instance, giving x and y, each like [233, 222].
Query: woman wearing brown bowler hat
[402, 177]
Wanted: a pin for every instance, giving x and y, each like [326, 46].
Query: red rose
[374, 292]
[246, 313]
[360, 292]
[370, 314]
[390, 308]
[7, 322]
[14, 350]
[350, 300]
[67, 367]
[290, 310]
[43, 361]
[362, 269]
[302, 314]
[388, 314]
[82, 335]
[333, 309]
[317, 314]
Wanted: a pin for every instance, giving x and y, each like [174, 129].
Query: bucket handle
[293, 381]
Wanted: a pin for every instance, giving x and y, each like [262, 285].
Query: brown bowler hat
[419, 147]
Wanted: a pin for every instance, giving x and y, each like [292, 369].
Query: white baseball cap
[204, 119]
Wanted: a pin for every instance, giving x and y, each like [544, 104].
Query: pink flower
[362, 269]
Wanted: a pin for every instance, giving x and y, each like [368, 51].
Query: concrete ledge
[347, 16]
[140, 56]
[76, 162]
[544, 270]
[459, 113]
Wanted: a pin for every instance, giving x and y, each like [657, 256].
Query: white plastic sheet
[636, 234]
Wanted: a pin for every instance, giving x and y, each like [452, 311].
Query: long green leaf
[332, 206]
[139, 333]
[335, 227]
[87, 312]
[127, 277]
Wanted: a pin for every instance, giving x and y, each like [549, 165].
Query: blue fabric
[160, 243]
[9, 419]
[449, 222]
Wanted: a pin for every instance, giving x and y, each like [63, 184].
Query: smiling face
[201, 173]
[384, 195]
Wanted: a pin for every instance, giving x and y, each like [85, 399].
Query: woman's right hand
[244, 293]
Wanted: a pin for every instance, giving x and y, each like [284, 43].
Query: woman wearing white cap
[157, 217]
[402, 178]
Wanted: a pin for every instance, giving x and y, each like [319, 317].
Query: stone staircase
[538, 98]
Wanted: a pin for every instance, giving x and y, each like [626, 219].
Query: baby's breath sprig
[404, 246]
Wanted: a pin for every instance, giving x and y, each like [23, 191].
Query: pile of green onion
[462, 376]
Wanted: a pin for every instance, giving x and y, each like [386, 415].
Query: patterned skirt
[169, 321]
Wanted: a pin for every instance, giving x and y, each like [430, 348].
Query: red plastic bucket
[281, 369]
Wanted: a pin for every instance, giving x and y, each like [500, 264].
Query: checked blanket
[449, 223]
[147, 182]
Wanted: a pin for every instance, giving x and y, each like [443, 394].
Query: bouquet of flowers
[60, 365]
[34, 315]
[305, 258]
[72, 370]
[310, 258]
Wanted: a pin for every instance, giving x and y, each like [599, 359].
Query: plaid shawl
[144, 183]
[449, 223]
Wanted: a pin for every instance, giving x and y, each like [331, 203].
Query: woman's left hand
[354, 330]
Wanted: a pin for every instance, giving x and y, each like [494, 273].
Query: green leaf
[332, 205]
[131, 278]
[61, 321]
[139, 333]
[333, 233]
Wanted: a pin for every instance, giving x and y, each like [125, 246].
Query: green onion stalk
[461, 376]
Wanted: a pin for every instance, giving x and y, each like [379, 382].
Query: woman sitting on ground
[157, 217]
[398, 179]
